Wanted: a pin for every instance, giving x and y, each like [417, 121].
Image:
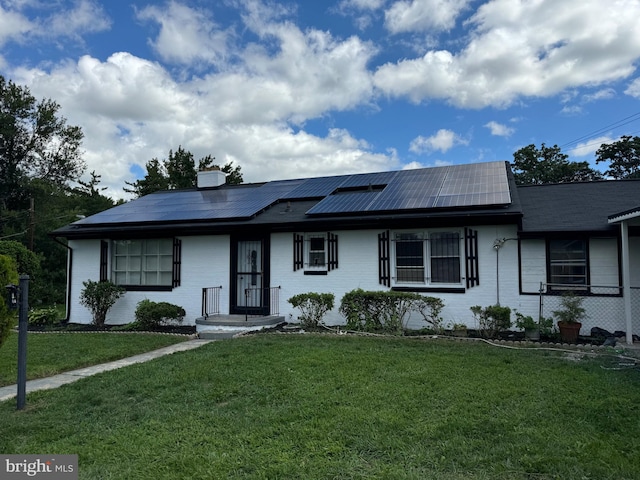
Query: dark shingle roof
[484, 193]
[576, 207]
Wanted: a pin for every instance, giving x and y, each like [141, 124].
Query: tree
[8, 275]
[624, 157]
[99, 297]
[178, 171]
[35, 142]
[181, 169]
[533, 166]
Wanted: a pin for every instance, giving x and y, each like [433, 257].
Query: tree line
[41, 189]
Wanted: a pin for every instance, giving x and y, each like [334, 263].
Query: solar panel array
[475, 185]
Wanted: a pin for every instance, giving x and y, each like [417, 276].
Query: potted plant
[569, 317]
[459, 330]
[529, 325]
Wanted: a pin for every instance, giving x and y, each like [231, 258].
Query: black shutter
[471, 252]
[177, 261]
[104, 261]
[332, 244]
[298, 251]
[384, 261]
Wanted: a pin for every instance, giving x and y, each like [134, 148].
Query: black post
[22, 339]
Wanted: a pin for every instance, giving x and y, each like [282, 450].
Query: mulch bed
[81, 327]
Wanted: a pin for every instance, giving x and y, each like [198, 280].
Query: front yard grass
[341, 407]
[52, 353]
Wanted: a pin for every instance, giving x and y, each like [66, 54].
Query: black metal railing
[211, 301]
[256, 298]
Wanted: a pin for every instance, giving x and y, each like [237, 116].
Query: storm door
[251, 279]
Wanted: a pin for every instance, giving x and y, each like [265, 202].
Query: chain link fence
[604, 306]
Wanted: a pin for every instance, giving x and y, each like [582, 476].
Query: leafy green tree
[623, 157]
[181, 169]
[87, 199]
[155, 180]
[35, 142]
[99, 297]
[25, 260]
[234, 177]
[8, 275]
[178, 171]
[536, 166]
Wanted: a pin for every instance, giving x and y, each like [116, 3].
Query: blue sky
[296, 89]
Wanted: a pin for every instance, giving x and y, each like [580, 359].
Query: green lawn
[52, 353]
[340, 407]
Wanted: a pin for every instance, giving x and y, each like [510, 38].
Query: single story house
[464, 233]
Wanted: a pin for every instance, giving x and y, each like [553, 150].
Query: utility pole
[32, 222]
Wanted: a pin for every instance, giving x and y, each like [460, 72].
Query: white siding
[358, 268]
[205, 263]
[603, 265]
[533, 270]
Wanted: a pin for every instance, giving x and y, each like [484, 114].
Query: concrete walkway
[11, 391]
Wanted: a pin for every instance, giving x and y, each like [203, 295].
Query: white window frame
[425, 237]
[311, 255]
[142, 262]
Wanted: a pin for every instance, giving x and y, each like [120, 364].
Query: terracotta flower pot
[569, 331]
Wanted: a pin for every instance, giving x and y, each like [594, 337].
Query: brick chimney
[211, 177]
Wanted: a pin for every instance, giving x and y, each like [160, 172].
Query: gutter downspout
[69, 273]
[626, 280]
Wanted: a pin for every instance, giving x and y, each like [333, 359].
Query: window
[409, 258]
[316, 253]
[427, 258]
[567, 264]
[144, 262]
[445, 257]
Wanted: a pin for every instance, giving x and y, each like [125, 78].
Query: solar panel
[453, 186]
[345, 202]
[474, 185]
[223, 203]
[366, 179]
[316, 187]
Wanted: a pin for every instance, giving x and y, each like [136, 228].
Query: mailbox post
[18, 297]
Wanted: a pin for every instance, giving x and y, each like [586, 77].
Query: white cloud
[499, 129]
[361, 4]
[520, 49]
[590, 146]
[13, 25]
[131, 110]
[443, 140]
[423, 15]
[603, 94]
[186, 35]
[633, 89]
[85, 16]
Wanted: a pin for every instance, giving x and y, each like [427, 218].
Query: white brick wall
[205, 263]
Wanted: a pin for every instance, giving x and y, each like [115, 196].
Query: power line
[618, 124]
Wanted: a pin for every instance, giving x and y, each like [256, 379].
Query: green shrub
[154, 314]
[388, 311]
[43, 316]
[492, 320]
[313, 307]
[99, 297]
[8, 275]
[430, 309]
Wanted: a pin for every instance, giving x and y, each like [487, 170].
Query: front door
[251, 282]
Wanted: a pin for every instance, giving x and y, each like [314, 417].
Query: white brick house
[463, 233]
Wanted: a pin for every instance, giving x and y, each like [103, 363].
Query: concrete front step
[219, 334]
[219, 327]
[239, 321]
